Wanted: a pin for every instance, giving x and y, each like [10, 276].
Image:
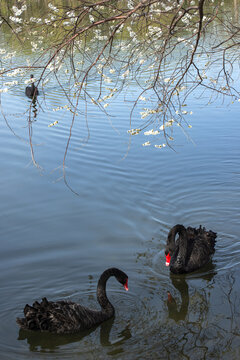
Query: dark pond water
[56, 243]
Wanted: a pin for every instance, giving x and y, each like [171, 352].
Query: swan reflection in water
[39, 341]
[179, 282]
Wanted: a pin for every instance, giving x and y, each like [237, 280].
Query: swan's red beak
[168, 259]
[126, 285]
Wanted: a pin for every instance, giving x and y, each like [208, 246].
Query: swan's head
[122, 278]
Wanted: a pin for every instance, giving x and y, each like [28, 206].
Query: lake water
[115, 209]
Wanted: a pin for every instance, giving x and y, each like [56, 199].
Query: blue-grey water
[115, 208]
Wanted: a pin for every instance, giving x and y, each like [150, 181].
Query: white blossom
[160, 146]
[15, 72]
[53, 8]
[134, 131]
[30, 81]
[3, 90]
[17, 12]
[125, 74]
[11, 83]
[151, 132]
[15, 19]
[167, 124]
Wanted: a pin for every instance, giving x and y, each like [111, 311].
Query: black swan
[64, 317]
[192, 250]
[31, 91]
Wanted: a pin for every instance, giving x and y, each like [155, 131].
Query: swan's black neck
[183, 242]
[101, 290]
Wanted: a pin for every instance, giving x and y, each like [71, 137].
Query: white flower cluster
[154, 30]
[132, 34]
[53, 8]
[148, 112]
[160, 146]
[106, 79]
[56, 65]
[167, 124]
[34, 46]
[151, 132]
[70, 14]
[91, 18]
[16, 72]
[11, 83]
[186, 18]
[4, 90]
[35, 20]
[9, 55]
[30, 81]
[67, 107]
[130, 4]
[18, 12]
[15, 19]
[125, 74]
[134, 131]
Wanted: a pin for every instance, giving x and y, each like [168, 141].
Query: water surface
[115, 210]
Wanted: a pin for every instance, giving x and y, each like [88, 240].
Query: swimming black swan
[63, 317]
[31, 91]
[192, 250]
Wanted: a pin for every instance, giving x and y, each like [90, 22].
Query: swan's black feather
[61, 317]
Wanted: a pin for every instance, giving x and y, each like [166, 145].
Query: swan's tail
[35, 316]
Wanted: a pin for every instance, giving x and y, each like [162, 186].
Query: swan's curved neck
[183, 241]
[101, 292]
